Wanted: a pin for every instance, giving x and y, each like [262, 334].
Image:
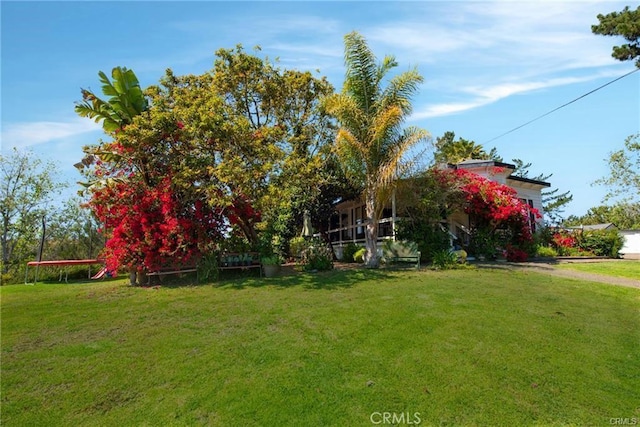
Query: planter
[271, 270]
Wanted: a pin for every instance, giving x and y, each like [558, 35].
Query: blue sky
[488, 67]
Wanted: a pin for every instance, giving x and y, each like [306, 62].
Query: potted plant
[271, 265]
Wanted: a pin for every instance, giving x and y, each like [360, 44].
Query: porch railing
[355, 233]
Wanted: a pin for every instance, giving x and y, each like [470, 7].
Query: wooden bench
[400, 253]
[240, 261]
[413, 259]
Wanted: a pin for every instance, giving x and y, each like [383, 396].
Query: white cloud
[479, 96]
[22, 135]
[493, 50]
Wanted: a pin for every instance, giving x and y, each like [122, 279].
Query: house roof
[472, 162]
[529, 181]
[467, 164]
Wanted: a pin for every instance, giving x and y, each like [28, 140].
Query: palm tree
[371, 143]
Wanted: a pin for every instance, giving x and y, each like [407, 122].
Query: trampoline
[59, 263]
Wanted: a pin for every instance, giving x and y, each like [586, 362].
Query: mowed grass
[620, 268]
[468, 347]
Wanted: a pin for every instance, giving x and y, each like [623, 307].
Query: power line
[562, 106]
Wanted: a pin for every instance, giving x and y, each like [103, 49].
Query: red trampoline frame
[59, 263]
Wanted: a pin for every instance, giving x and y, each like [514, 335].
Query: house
[631, 247]
[348, 223]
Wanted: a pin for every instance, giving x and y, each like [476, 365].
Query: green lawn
[467, 347]
[622, 268]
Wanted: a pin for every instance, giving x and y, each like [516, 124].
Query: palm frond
[362, 71]
[401, 89]
[384, 126]
[395, 164]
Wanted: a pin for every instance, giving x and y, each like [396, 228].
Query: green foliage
[444, 260]
[448, 150]
[126, 100]
[317, 256]
[429, 237]
[72, 232]
[625, 216]
[543, 235]
[601, 242]
[553, 203]
[271, 260]
[247, 137]
[349, 251]
[625, 23]
[546, 252]
[296, 246]
[398, 249]
[26, 186]
[358, 256]
[208, 270]
[484, 242]
[624, 169]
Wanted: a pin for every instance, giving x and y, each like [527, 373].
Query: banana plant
[126, 100]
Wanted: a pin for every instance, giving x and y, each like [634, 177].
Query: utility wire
[562, 106]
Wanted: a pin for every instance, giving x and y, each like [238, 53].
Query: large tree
[72, 232]
[553, 201]
[622, 215]
[26, 186]
[625, 23]
[242, 147]
[371, 143]
[623, 179]
[450, 150]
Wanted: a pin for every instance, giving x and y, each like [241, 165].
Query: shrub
[349, 251]
[358, 256]
[563, 242]
[430, 238]
[297, 245]
[544, 236]
[208, 267]
[601, 242]
[589, 242]
[317, 256]
[483, 243]
[444, 260]
[515, 254]
[546, 252]
[271, 260]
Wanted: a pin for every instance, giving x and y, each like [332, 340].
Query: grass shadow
[322, 280]
[76, 281]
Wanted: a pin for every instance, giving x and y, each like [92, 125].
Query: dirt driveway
[549, 268]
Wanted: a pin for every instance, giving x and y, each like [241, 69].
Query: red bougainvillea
[494, 206]
[150, 227]
[564, 240]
